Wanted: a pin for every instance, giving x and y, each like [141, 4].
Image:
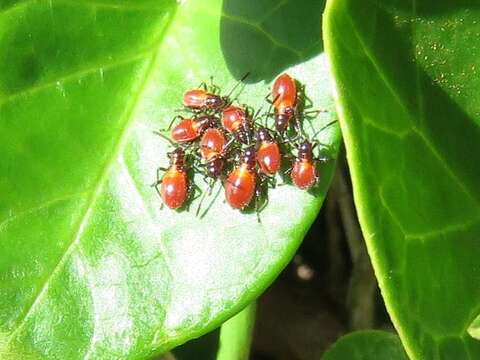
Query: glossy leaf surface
[90, 267]
[367, 345]
[406, 75]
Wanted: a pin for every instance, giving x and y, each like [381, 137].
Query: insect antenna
[211, 202]
[237, 84]
[166, 138]
[323, 128]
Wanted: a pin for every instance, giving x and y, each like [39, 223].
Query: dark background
[326, 291]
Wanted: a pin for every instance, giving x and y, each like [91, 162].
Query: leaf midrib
[93, 4]
[96, 191]
[105, 65]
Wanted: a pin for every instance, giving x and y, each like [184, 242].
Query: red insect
[174, 185]
[212, 143]
[197, 99]
[241, 182]
[190, 129]
[268, 153]
[203, 99]
[233, 118]
[304, 174]
[284, 94]
[236, 121]
[212, 148]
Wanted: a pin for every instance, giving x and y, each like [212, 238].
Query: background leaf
[90, 267]
[236, 335]
[229, 342]
[205, 347]
[367, 345]
[407, 83]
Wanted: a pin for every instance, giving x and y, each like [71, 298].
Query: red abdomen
[174, 188]
[303, 174]
[195, 99]
[212, 143]
[269, 158]
[185, 131]
[240, 187]
[284, 92]
[232, 118]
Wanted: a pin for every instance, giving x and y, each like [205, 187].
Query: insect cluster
[232, 143]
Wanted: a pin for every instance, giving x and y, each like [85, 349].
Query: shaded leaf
[407, 84]
[367, 345]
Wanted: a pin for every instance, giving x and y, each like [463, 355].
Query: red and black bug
[190, 129]
[212, 150]
[242, 181]
[198, 99]
[236, 121]
[173, 187]
[284, 95]
[206, 98]
[268, 152]
[304, 173]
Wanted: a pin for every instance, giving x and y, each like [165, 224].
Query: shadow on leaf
[265, 37]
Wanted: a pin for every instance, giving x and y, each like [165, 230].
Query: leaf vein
[445, 230]
[96, 192]
[116, 6]
[93, 4]
[74, 76]
[377, 68]
[434, 151]
[455, 227]
[408, 113]
[257, 27]
[4, 223]
[265, 33]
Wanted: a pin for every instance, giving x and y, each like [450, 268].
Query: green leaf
[367, 345]
[408, 96]
[229, 342]
[90, 267]
[474, 328]
[236, 335]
